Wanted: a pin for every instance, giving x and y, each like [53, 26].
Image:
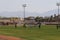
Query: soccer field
[46, 32]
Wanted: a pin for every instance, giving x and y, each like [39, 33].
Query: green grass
[44, 33]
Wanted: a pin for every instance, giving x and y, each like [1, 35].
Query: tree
[39, 19]
[46, 19]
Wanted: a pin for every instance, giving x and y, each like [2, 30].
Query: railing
[51, 23]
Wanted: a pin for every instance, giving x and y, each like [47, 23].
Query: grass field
[45, 33]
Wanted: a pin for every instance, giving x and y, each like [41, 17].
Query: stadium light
[24, 6]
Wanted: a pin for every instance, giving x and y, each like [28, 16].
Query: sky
[38, 6]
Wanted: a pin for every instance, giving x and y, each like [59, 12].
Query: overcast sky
[38, 6]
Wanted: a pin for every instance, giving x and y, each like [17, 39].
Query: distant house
[10, 20]
[30, 21]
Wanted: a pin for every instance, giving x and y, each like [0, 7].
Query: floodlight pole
[24, 6]
[58, 4]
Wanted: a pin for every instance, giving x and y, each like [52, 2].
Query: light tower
[24, 6]
[58, 4]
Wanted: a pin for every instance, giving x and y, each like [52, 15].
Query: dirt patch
[8, 38]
